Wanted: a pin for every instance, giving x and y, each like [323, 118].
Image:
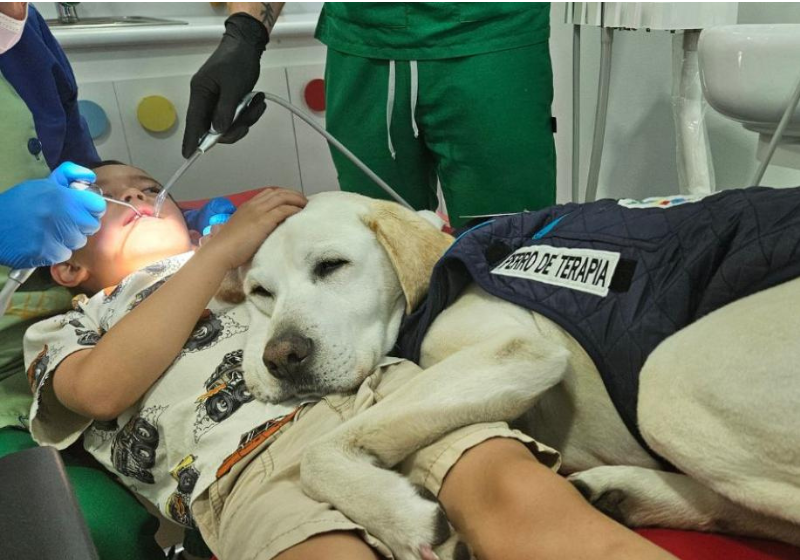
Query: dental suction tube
[339, 146]
[15, 279]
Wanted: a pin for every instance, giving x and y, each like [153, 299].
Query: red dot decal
[315, 94]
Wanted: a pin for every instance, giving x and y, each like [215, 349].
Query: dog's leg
[455, 549]
[382, 501]
[719, 400]
[639, 497]
[493, 381]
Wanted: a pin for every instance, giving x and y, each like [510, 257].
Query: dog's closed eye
[259, 291]
[328, 267]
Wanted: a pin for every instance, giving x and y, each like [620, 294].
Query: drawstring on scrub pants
[390, 102]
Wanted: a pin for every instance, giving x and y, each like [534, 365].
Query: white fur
[710, 402]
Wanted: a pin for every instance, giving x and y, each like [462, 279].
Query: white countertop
[199, 30]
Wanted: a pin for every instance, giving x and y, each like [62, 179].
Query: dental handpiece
[207, 141]
[92, 187]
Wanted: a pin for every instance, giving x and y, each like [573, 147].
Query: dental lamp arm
[104, 381]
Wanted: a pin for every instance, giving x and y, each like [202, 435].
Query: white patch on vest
[660, 201]
[585, 270]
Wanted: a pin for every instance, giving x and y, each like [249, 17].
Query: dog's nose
[284, 355]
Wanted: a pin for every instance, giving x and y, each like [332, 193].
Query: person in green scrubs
[43, 221]
[454, 92]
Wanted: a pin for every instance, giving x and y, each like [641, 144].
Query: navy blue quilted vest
[620, 279]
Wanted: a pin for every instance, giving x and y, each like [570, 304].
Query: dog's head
[327, 290]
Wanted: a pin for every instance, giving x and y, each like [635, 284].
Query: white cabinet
[316, 165]
[112, 144]
[266, 156]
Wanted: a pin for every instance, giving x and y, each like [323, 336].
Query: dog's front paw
[415, 528]
[606, 489]
[455, 549]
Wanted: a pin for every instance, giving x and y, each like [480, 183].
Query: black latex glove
[227, 76]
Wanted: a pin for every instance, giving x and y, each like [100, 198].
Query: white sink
[112, 21]
[749, 72]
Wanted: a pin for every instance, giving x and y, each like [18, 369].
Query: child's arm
[103, 382]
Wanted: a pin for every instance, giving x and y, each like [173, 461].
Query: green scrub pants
[120, 526]
[484, 129]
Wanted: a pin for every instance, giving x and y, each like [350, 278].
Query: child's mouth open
[132, 216]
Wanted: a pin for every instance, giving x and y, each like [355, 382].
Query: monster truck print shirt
[191, 426]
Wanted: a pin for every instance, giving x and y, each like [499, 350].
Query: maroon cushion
[690, 545]
[236, 198]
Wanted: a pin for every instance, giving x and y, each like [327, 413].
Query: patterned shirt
[193, 423]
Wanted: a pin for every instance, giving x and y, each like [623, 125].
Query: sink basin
[114, 21]
[749, 72]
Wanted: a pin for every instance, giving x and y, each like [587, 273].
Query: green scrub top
[37, 298]
[431, 30]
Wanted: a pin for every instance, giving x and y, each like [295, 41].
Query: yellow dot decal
[156, 113]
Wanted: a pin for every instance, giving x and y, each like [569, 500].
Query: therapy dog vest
[621, 279]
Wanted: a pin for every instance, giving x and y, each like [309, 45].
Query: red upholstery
[236, 198]
[686, 545]
[689, 545]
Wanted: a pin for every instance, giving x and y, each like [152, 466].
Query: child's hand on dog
[242, 235]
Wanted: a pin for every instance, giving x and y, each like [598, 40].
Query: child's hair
[102, 163]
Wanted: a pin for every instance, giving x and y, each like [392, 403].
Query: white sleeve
[46, 344]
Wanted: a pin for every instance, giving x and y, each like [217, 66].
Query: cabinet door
[266, 156]
[316, 166]
[111, 144]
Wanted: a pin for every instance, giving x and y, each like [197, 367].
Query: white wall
[639, 156]
[161, 9]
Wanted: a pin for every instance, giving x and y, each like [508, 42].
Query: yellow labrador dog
[327, 292]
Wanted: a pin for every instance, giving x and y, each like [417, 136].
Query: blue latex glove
[215, 211]
[44, 220]
[215, 220]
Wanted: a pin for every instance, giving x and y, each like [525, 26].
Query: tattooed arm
[265, 12]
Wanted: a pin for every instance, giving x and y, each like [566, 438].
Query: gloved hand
[215, 211]
[227, 76]
[44, 220]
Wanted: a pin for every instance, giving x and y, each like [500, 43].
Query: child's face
[126, 243]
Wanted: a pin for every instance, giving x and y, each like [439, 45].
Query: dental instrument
[339, 146]
[207, 141]
[15, 279]
[92, 187]
[18, 276]
[212, 137]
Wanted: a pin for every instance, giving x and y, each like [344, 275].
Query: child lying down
[147, 368]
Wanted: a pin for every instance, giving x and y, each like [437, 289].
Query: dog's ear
[231, 289]
[412, 243]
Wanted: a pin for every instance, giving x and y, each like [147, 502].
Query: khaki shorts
[259, 510]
